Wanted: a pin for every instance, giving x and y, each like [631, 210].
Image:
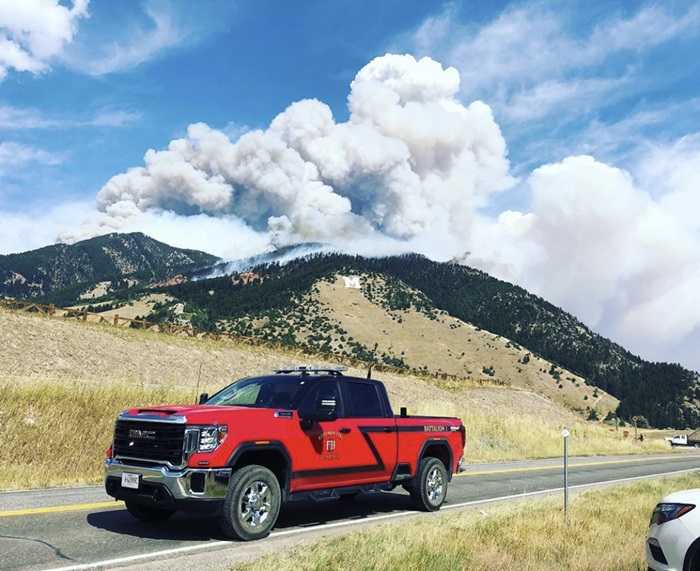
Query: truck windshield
[262, 392]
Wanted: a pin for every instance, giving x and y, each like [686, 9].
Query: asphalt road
[82, 528]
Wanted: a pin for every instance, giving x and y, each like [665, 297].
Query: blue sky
[553, 144]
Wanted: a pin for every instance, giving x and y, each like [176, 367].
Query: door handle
[388, 429]
[344, 430]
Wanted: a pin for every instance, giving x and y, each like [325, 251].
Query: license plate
[131, 480]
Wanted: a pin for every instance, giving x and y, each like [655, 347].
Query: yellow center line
[119, 504]
[56, 509]
[561, 466]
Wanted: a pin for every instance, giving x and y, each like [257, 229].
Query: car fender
[257, 452]
[441, 443]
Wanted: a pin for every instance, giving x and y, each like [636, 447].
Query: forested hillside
[664, 394]
[61, 273]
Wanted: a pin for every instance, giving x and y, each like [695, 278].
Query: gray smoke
[411, 163]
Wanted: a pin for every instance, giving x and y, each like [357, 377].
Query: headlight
[666, 512]
[205, 438]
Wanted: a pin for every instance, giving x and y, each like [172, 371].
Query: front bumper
[667, 545]
[159, 486]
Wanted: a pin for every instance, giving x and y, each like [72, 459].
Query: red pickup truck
[304, 432]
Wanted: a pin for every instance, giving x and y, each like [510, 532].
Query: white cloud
[651, 26]
[34, 32]
[20, 232]
[28, 118]
[673, 173]
[16, 118]
[143, 32]
[535, 58]
[14, 155]
[135, 45]
[599, 246]
[570, 97]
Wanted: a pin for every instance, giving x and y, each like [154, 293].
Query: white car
[673, 542]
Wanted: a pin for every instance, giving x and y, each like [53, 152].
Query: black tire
[252, 503]
[692, 558]
[148, 513]
[430, 485]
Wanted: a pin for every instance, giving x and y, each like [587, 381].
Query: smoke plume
[411, 163]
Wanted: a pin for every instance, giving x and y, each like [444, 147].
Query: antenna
[199, 376]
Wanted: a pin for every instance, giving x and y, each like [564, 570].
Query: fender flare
[442, 443]
[268, 446]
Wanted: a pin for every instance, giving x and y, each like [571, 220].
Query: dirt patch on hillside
[446, 344]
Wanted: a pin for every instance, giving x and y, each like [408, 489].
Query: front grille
[149, 442]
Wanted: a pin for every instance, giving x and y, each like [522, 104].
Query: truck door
[341, 451]
[367, 414]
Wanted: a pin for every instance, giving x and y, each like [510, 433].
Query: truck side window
[365, 401]
[327, 389]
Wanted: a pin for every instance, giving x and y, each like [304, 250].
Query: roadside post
[565, 433]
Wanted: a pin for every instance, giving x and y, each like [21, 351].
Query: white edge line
[143, 556]
[216, 544]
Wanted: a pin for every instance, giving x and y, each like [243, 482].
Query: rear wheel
[252, 503]
[148, 513]
[430, 485]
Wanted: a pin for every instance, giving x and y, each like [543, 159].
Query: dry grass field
[62, 383]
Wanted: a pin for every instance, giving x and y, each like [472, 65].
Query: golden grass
[495, 438]
[57, 433]
[605, 529]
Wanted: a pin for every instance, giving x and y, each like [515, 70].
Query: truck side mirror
[204, 397]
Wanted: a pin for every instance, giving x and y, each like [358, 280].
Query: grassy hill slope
[64, 382]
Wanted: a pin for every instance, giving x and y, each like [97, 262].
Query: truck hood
[194, 414]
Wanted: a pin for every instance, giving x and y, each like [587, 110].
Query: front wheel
[430, 485]
[148, 513]
[692, 558]
[252, 503]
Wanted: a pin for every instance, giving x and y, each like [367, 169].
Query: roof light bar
[336, 369]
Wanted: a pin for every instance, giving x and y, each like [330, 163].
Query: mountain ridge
[72, 270]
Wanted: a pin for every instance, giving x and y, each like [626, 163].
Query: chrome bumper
[162, 486]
